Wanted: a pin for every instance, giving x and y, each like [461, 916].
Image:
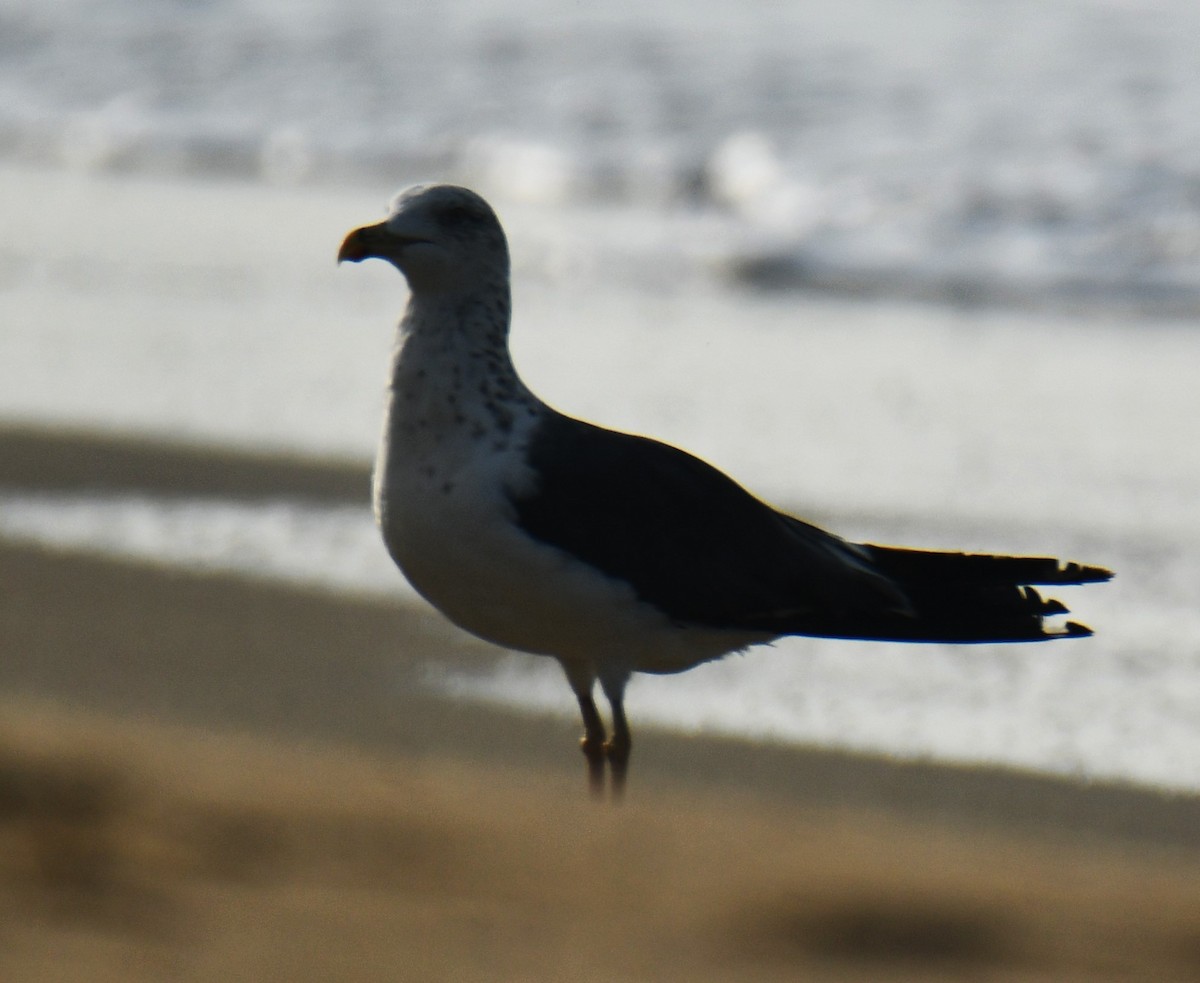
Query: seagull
[611, 552]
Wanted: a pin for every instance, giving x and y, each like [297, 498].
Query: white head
[443, 238]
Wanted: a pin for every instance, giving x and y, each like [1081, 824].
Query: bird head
[441, 237]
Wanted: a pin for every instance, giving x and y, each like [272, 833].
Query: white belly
[448, 524]
[449, 460]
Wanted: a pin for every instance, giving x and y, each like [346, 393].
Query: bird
[612, 552]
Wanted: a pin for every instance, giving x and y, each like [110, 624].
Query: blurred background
[924, 273]
[954, 151]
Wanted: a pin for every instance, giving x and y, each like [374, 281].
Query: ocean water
[924, 276]
[963, 151]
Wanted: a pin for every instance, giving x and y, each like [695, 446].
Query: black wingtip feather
[1078, 573]
[1047, 606]
[904, 562]
[973, 597]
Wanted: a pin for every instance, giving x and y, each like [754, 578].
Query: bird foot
[594, 751]
[615, 754]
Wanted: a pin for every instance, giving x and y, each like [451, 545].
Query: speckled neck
[452, 366]
[454, 393]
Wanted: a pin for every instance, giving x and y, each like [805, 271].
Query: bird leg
[593, 743]
[597, 747]
[617, 747]
[594, 739]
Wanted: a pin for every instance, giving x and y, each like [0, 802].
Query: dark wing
[704, 551]
[691, 541]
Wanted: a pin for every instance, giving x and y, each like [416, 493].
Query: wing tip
[1080, 573]
[1073, 629]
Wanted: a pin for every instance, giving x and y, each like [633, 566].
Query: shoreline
[232, 642]
[217, 652]
[207, 778]
[38, 457]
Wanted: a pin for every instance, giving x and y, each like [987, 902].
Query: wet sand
[208, 778]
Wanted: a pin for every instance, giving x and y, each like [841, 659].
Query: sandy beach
[206, 778]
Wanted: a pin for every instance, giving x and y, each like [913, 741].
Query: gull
[610, 552]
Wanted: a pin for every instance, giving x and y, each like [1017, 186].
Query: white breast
[448, 464]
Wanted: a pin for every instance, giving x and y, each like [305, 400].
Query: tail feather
[903, 563]
[969, 597]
